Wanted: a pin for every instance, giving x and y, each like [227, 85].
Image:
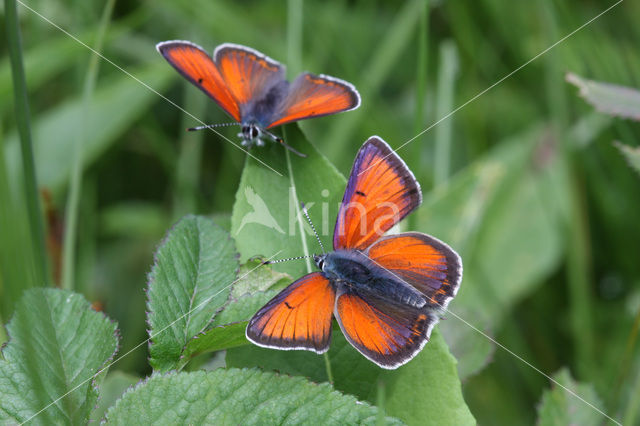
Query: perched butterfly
[386, 292]
[252, 87]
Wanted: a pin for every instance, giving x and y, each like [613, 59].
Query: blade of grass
[577, 225]
[384, 59]
[75, 184]
[188, 166]
[294, 37]
[421, 69]
[16, 255]
[446, 82]
[419, 152]
[34, 213]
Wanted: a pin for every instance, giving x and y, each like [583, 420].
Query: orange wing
[196, 66]
[380, 192]
[314, 96]
[424, 262]
[387, 333]
[299, 317]
[248, 73]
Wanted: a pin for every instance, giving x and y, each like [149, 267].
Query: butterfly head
[319, 260]
[250, 133]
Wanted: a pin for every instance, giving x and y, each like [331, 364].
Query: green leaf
[430, 378]
[229, 324]
[238, 397]
[114, 107]
[266, 217]
[631, 154]
[254, 276]
[57, 345]
[558, 407]
[190, 281]
[612, 99]
[111, 389]
[502, 215]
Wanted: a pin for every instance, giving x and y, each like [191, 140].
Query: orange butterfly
[252, 88]
[386, 292]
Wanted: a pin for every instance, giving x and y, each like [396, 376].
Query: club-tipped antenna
[269, 262]
[211, 126]
[282, 142]
[306, 213]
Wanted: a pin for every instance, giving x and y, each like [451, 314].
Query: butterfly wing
[195, 65]
[251, 78]
[380, 192]
[388, 333]
[299, 317]
[424, 262]
[314, 96]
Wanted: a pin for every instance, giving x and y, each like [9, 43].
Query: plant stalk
[75, 184]
[34, 212]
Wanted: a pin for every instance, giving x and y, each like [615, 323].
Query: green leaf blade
[189, 282]
[238, 397]
[266, 219]
[58, 343]
[611, 99]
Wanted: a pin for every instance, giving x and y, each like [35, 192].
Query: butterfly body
[253, 90]
[386, 292]
[354, 271]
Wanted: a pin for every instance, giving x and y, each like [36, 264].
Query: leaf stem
[327, 366]
[34, 213]
[75, 184]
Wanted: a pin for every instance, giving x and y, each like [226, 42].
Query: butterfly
[386, 291]
[253, 90]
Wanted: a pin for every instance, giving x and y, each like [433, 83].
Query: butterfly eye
[254, 132]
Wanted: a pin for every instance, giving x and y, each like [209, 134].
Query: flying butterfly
[253, 90]
[386, 292]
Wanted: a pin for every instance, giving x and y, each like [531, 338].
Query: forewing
[299, 317]
[387, 333]
[314, 96]
[196, 66]
[424, 262]
[249, 74]
[380, 192]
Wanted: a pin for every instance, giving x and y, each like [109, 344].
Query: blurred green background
[524, 181]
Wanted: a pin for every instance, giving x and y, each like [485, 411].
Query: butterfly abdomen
[353, 269]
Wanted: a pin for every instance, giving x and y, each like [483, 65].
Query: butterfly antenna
[211, 126]
[306, 213]
[269, 262]
[282, 142]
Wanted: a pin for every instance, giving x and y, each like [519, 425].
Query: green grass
[121, 168]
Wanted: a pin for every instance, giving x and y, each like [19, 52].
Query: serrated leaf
[229, 326]
[266, 217]
[57, 345]
[558, 407]
[111, 389]
[238, 397]
[430, 378]
[115, 105]
[631, 154]
[190, 281]
[612, 99]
